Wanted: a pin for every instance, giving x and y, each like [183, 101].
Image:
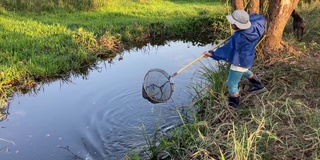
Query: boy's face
[234, 27]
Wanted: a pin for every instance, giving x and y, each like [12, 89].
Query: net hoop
[157, 86]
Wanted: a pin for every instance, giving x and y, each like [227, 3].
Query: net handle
[188, 65]
[197, 59]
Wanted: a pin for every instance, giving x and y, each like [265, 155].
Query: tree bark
[237, 4]
[279, 12]
[254, 6]
[263, 6]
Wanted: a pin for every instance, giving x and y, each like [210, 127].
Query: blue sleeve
[224, 52]
[257, 18]
[259, 22]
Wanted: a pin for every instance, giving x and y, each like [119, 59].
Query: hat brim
[238, 24]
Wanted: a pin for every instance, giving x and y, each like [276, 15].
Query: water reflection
[93, 153]
[4, 111]
[73, 156]
[99, 113]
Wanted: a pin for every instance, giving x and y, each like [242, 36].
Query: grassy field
[42, 41]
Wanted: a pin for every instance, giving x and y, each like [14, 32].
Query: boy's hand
[207, 54]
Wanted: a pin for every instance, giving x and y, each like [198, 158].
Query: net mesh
[157, 86]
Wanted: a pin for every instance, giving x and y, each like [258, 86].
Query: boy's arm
[224, 52]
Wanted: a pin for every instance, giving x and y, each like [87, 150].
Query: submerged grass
[280, 124]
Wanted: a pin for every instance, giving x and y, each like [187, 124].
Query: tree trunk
[263, 6]
[279, 12]
[237, 4]
[254, 6]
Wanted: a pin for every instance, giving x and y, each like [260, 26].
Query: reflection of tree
[5, 148]
[93, 153]
[38, 85]
[4, 111]
[73, 156]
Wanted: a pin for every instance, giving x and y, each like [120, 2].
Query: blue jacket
[240, 49]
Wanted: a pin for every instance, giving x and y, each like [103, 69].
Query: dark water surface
[100, 116]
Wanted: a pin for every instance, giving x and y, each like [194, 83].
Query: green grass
[118, 16]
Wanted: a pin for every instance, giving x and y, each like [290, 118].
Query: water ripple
[118, 126]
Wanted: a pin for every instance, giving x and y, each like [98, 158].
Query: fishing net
[157, 86]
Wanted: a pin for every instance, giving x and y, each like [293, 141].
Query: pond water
[99, 116]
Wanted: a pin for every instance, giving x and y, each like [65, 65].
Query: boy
[240, 52]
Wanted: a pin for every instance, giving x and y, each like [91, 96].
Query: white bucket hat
[240, 18]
